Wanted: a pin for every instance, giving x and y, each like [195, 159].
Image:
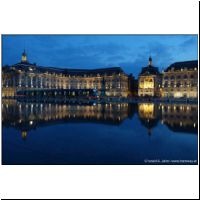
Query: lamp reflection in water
[24, 134]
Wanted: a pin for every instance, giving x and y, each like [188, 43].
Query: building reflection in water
[177, 117]
[28, 116]
[25, 116]
[149, 115]
[180, 117]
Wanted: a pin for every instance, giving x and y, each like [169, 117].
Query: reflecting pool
[93, 133]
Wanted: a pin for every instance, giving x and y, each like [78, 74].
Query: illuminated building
[149, 81]
[181, 80]
[112, 82]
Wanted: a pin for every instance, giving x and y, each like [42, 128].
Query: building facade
[181, 80]
[149, 81]
[112, 82]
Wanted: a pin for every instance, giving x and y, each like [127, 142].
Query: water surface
[114, 133]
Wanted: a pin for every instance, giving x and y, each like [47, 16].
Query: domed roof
[150, 69]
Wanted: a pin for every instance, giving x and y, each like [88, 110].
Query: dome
[150, 69]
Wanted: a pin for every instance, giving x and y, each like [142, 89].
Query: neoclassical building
[25, 76]
[149, 81]
[181, 80]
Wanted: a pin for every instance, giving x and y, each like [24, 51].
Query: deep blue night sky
[130, 52]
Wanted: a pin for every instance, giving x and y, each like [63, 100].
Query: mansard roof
[94, 71]
[177, 66]
[150, 70]
[68, 71]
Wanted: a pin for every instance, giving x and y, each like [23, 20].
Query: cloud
[86, 55]
[115, 58]
[129, 52]
[188, 43]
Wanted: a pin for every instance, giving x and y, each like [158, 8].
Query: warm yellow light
[146, 83]
[24, 58]
[24, 134]
[146, 110]
[178, 94]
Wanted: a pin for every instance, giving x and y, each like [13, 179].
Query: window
[166, 84]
